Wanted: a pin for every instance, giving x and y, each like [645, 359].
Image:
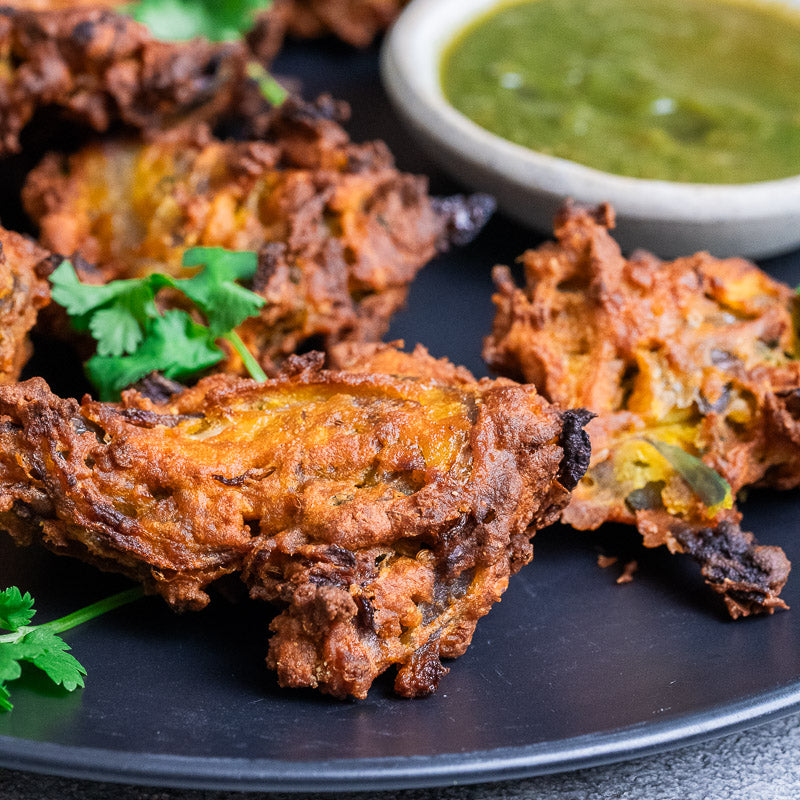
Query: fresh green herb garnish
[705, 482]
[134, 338]
[217, 21]
[270, 89]
[41, 645]
[173, 344]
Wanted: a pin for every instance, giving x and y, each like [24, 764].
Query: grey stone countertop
[761, 763]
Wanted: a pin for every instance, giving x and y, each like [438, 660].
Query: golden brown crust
[384, 514]
[22, 294]
[357, 22]
[390, 359]
[699, 353]
[340, 232]
[101, 67]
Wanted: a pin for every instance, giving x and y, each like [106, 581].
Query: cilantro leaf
[705, 482]
[114, 313]
[81, 299]
[216, 20]
[228, 265]
[10, 669]
[183, 345]
[116, 331]
[48, 652]
[173, 344]
[40, 645]
[223, 302]
[16, 609]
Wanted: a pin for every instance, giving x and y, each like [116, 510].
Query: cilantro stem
[40, 645]
[94, 610]
[272, 91]
[249, 361]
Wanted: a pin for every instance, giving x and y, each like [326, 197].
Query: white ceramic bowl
[669, 218]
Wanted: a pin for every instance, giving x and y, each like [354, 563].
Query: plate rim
[399, 772]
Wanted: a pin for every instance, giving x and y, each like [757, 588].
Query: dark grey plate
[569, 670]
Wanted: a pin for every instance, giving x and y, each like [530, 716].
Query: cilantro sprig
[215, 20]
[41, 645]
[134, 338]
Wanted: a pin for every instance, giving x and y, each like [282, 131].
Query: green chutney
[702, 91]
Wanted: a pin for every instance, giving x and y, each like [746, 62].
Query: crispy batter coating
[264, 39]
[355, 21]
[698, 353]
[101, 68]
[391, 359]
[22, 293]
[341, 233]
[383, 514]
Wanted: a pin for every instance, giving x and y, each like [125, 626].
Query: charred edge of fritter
[47, 266]
[420, 676]
[142, 418]
[295, 364]
[576, 445]
[254, 118]
[322, 107]
[463, 217]
[270, 256]
[157, 388]
[790, 399]
[749, 576]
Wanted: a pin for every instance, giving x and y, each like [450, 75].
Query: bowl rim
[410, 67]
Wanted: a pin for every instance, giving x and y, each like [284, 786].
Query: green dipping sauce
[703, 91]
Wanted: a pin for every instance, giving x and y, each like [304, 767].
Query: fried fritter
[101, 67]
[384, 514]
[341, 233]
[23, 291]
[697, 353]
[355, 21]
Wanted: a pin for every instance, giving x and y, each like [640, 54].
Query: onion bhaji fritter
[383, 513]
[697, 353]
[23, 291]
[340, 232]
[101, 67]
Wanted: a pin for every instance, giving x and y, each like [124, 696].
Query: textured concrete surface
[762, 763]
